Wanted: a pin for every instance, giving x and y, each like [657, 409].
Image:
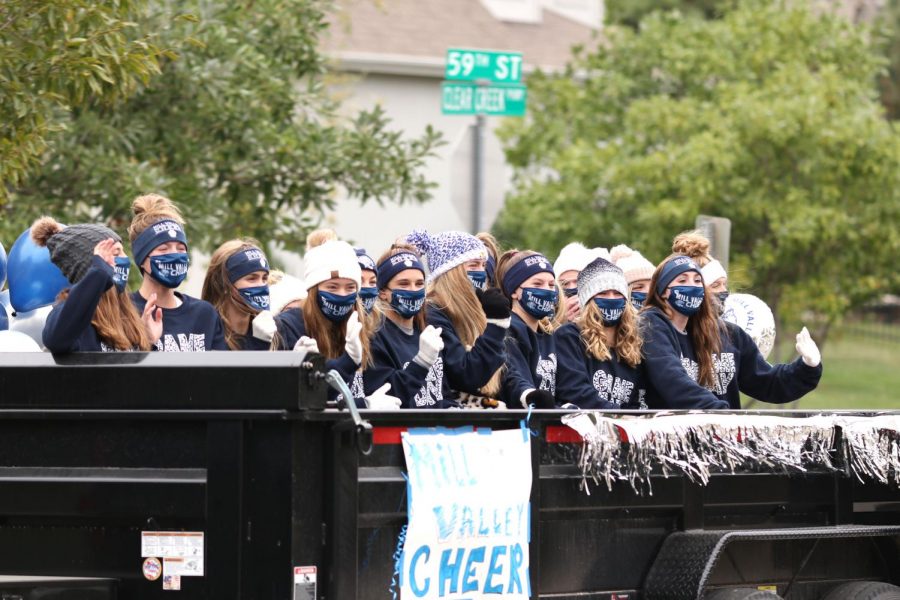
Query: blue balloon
[34, 281]
[2, 266]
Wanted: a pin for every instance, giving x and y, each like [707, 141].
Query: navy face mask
[169, 269]
[638, 299]
[539, 303]
[722, 296]
[611, 310]
[335, 307]
[478, 279]
[686, 299]
[368, 295]
[122, 268]
[256, 297]
[569, 292]
[407, 303]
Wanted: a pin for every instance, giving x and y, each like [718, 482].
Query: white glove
[306, 345]
[264, 326]
[430, 345]
[380, 400]
[807, 349]
[353, 345]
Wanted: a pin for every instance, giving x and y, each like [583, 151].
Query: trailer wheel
[864, 590]
[742, 594]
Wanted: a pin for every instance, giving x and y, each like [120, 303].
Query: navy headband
[244, 262]
[393, 264]
[366, 262]
[161, 232]
[523, 270]
[672, 269]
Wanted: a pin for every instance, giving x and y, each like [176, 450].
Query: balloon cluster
[33, 283]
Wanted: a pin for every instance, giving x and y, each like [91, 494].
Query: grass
[861, 372]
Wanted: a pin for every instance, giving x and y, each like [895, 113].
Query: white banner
[469, 514]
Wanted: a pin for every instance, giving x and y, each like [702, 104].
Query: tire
[864, 590]
[741, 594]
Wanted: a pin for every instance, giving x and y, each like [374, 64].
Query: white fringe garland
[628, 448]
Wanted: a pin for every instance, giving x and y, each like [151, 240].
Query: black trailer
[242, 447]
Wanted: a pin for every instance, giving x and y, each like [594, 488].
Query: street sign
[472, 65]
[473, 99]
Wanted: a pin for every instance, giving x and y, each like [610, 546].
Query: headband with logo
[393, 264]
[672, 269]
[523, 270]
[161, 232]
[245, 262]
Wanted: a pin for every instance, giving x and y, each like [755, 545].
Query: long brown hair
[508, 260]
[382, 307]
[703, 327]
[453, 293]
[117, 321]
[221, 293]
[627, 339]
[330, 336]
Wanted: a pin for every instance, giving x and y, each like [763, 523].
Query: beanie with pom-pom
[446, 250]
[71, 248]
[632, 263]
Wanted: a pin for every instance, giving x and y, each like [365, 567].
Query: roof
[419, 32]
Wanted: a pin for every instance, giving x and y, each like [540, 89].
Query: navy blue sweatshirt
[530, 361]
[292, 327]
[467, 370]
[393, 350]
[596, 384]
[673, 370]
[194, 326]
[68, 327]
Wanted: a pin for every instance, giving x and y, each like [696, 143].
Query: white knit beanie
[599, 276]
[332, 259]
[632, 263]
[713, 271]
[573, 257]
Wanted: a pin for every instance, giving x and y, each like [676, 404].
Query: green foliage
[237, 129]
[632, 12]
[60, 53]
[768, 116]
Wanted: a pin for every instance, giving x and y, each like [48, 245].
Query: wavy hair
[627, 341]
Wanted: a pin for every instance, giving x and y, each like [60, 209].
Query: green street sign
[473, 99]
[472, 65]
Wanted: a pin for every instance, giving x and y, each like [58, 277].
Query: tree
[60, 53]
[237, 129]
[768, 116]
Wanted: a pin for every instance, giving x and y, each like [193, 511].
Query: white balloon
[753, 316]
[31, 323]
[16, 341]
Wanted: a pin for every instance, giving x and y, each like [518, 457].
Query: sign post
[482, 82]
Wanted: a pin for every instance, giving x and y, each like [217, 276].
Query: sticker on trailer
[175, 544]
[305, 583]
[183, 567]
[151, 569]
[172, 582]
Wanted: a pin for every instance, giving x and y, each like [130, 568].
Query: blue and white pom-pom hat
[331, 260]
[446, 250]
[599, 276]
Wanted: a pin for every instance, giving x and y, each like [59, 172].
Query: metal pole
[477, 172]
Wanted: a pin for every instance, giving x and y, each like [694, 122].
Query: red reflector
[387, 435]
[560, 434]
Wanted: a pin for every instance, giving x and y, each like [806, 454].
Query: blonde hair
[221, 293]
[117, 321]
[149, 209]
[317, 237]
[627, 340]
[508, 260]
[453, 293]
[330, 336]
[693, 244]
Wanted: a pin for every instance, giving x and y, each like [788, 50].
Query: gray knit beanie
[600, 275]
[71, 248]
